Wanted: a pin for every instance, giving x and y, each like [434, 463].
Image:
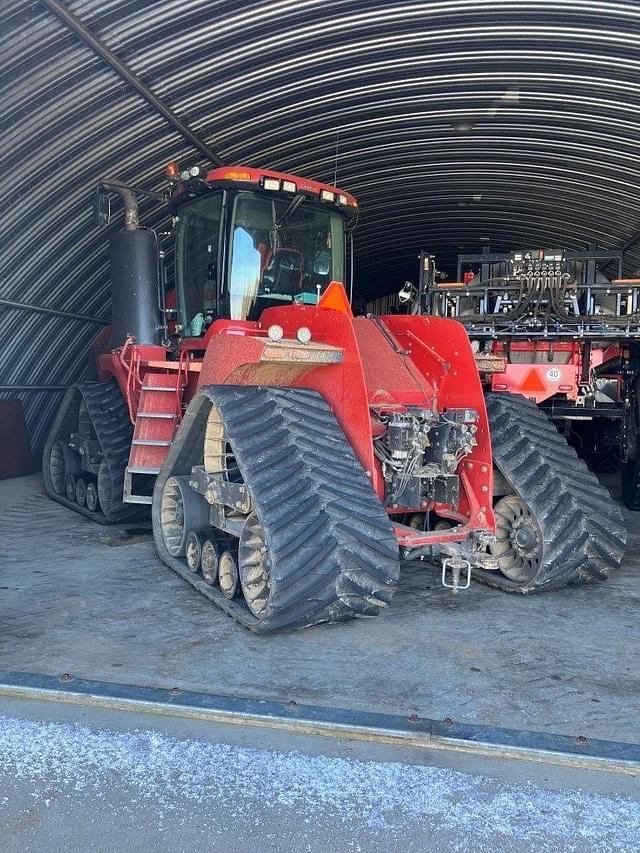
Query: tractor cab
[250, 239]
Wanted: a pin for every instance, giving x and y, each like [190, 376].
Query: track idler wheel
[209, 560]
[70, 488]
[63, 463]
[228, 576]
[181, 510]
[193, 551]
[81, 492]
[104, 487]
[92, 497]
[254, 566]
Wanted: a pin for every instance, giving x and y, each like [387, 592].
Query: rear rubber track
[333, 552]
[630, 469]
[583, 531]
[113, 428]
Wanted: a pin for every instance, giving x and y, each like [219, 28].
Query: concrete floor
[79, 598]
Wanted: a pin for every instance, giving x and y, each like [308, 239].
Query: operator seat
[282, 273]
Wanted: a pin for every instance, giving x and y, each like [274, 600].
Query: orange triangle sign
[335, 297]
[532, 382]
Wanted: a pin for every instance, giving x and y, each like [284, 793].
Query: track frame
[359, 569]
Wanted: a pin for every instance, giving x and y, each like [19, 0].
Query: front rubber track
[334, 555]
[110, 420]
[583, 531]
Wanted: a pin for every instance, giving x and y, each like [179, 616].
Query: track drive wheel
[558, 525]
[518, 546]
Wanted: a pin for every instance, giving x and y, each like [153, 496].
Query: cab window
[197, 260]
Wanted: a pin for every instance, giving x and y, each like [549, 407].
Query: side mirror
[407, 293]
[101, 206]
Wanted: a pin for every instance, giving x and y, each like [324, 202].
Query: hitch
[457, 566]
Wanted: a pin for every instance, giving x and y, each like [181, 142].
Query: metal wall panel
[456, 123]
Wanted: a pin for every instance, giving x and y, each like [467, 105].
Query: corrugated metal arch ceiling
[455, 121]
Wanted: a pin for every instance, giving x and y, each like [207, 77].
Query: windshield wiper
[294, 204]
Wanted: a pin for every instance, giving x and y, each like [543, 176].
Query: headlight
[275, 333]
[303, 335]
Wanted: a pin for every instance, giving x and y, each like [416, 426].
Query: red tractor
[292, 453]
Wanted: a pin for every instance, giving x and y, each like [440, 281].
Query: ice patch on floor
[384, 796]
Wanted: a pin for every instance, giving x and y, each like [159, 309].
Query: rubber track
[583, 530]
[630, 470]
[630, 477]
[334, 555]
[604, 461]
[110, 419]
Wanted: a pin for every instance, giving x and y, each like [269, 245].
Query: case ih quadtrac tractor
[291, 452]
[563, 329]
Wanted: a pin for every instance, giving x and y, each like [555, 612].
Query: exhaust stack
[134, 277]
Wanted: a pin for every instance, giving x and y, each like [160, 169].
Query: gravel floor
[75, 787]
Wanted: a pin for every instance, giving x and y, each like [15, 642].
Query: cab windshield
[282, 250]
